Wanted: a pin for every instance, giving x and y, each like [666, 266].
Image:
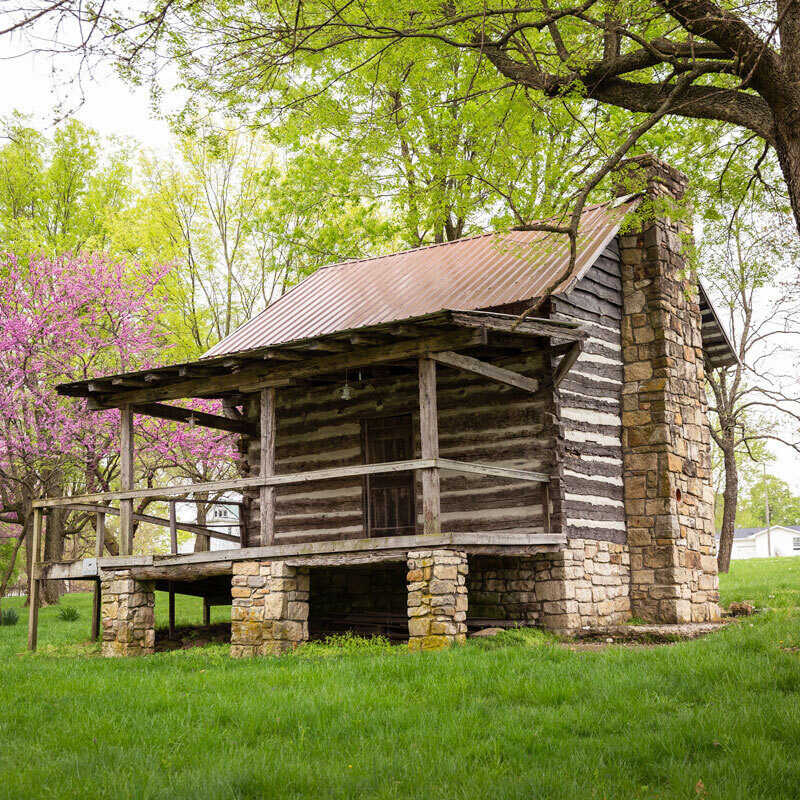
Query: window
[389, 507]
[796, 543]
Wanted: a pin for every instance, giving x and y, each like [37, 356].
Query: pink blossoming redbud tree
[71, 318]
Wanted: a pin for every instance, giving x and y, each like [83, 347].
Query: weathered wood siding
[479, 421]
[589, 405]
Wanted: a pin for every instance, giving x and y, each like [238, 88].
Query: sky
[105, 102]
[113, 107]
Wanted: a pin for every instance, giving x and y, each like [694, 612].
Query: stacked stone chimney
[665, 433]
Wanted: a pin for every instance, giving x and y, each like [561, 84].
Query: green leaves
[60, 194]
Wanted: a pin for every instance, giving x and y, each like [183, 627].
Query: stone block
[246, 567]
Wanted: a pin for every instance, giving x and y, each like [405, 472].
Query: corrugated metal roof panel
[478, 272]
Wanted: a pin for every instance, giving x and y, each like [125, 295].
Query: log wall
[479, 421]
[588, 406]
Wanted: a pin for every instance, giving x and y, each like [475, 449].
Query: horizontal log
[242, 483]
[349, 559]
[183, 526]
[352, 551]
[486, 370]
[284, 480]
[183, 572]
[488, 469]
[186, 415]
[510, 323]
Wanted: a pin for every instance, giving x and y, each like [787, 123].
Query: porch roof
[286, 363]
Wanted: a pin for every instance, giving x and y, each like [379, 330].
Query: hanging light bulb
[345, 392]
[192, 420]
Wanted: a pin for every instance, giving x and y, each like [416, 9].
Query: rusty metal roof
[478, 272]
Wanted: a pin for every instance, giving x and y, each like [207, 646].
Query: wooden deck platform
[333, 553]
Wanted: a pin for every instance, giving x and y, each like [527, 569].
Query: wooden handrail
[189, 527]
[301, 477]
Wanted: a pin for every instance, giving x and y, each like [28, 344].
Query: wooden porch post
[100, 535]
[429, 441]
[126, 480]
[33, 599]
[267, 466]
[173, 549]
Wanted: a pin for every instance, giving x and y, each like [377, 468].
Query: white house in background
[777, 540]
[223, 517]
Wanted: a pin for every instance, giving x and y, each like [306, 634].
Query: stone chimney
[665, 432]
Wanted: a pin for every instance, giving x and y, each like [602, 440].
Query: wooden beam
[349, 559]
[127, 383]
[282, 355]
[328, 346]
[356, 546]
[408, 331]
[252, 379]
[429, 441]
[34, 581]
[546, 507]
[183, 572]
[152, 520]
[566, 363]
[100, 537]
[486, 370]
[126, 480]
[162, 411]
[188, 372]
[267, 465]
[241, 483]
[569, 331]
[171, 612]
[173, 528]
[491, 469]
[366, 339]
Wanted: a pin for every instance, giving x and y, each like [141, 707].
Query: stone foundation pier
[127, 612]
[269, 613]
[437, 598]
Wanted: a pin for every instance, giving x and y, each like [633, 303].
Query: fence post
[33, 594]
[126, 479]
[100, 536]
[173, 549]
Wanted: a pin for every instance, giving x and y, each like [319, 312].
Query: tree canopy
[733, 66]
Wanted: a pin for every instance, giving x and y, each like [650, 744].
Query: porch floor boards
[330, 553]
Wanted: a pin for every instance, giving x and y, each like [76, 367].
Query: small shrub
[516, 637]
[68, 614]
[348, 643]
[9, 616]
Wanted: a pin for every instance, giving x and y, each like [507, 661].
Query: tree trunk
[787, 148]
[730, 498]
[51, 591]
[202, 543]
[11, 562]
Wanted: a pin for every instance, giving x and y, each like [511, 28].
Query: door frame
[365, 481]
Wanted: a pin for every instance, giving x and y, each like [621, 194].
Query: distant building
[777, 540]
[223, 519]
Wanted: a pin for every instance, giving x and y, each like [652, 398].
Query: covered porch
[265, 573]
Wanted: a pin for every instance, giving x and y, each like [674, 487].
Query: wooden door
[389, 499]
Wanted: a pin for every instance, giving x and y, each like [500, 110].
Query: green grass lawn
[712, 718]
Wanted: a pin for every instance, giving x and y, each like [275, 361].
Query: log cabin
[477, 433]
